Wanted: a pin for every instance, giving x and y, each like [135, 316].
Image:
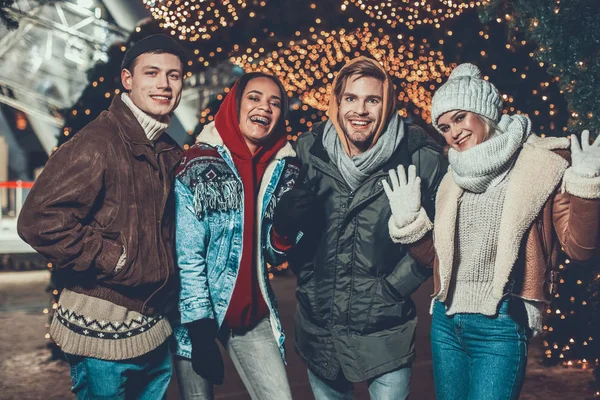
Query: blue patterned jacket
[209, 231]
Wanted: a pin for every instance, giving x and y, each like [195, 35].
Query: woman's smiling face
[260, 111]
[462, 129]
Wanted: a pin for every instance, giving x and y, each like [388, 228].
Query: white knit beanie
[466, 90]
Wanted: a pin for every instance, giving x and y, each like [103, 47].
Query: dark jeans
[476, 357]
[144, 378]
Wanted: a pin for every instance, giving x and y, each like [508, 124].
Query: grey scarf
[357, 169]
[488, 163]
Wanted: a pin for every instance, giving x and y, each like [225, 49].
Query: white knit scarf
[152, 127]
[487, 164]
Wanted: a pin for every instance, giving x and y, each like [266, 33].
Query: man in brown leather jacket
[102, 212]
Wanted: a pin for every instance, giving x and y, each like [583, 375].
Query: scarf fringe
[270, 211]
[217, 196]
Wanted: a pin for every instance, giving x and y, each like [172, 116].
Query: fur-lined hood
[212, 137]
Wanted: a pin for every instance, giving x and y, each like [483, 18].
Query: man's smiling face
[360, 111]
[155, 83]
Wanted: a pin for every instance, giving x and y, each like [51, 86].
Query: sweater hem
[472, 298]
[108, 349]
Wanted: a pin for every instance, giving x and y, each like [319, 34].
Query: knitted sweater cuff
[577, 185]
[411, 232]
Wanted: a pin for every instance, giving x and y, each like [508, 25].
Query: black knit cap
[152, 43]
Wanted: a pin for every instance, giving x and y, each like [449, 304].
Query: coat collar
[211, 137]
[535, 176]
[134, 136]
[320, 157]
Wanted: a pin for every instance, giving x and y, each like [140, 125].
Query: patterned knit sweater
[92, 327]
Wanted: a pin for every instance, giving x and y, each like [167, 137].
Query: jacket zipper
[159, 226]
[350, 198]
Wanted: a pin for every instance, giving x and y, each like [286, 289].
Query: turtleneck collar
[152, 127]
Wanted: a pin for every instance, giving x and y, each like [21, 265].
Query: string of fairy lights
[412, 13]
[193, 20]
[308, 63]
[291, 61]
[197, 19]
[307, 67]
[552, 348]
[545, 87]
[311, 80]
[576, 301]
[525, 72]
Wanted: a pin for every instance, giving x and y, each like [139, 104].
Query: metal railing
[12, 197]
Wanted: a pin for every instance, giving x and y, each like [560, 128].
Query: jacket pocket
[304, 276]
[107, 259]
[393, 293]
[221, 243]
[107, 218]
[388, 309]
[135, 271]
[305, 292]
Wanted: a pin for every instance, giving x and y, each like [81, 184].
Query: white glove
[585, 158]
[404, 195]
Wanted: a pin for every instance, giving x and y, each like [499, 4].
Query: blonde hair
[491, 126]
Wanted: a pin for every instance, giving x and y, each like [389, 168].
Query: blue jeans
[144, 377]
[257, 359]
[476, 357]
[394, 385]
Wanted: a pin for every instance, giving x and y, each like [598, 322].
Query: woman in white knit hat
[508, 203]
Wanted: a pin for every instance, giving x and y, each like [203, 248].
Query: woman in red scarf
[227, 186]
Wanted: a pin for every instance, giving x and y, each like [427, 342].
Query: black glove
[295, 209]
[206, 356]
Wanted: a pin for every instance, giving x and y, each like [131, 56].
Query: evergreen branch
[567, 36]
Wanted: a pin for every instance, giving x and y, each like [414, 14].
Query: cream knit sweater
[478, 226]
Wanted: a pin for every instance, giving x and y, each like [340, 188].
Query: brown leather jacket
[538, 219]
[105, 190]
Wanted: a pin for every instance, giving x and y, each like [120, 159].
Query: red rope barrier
[16, 185]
